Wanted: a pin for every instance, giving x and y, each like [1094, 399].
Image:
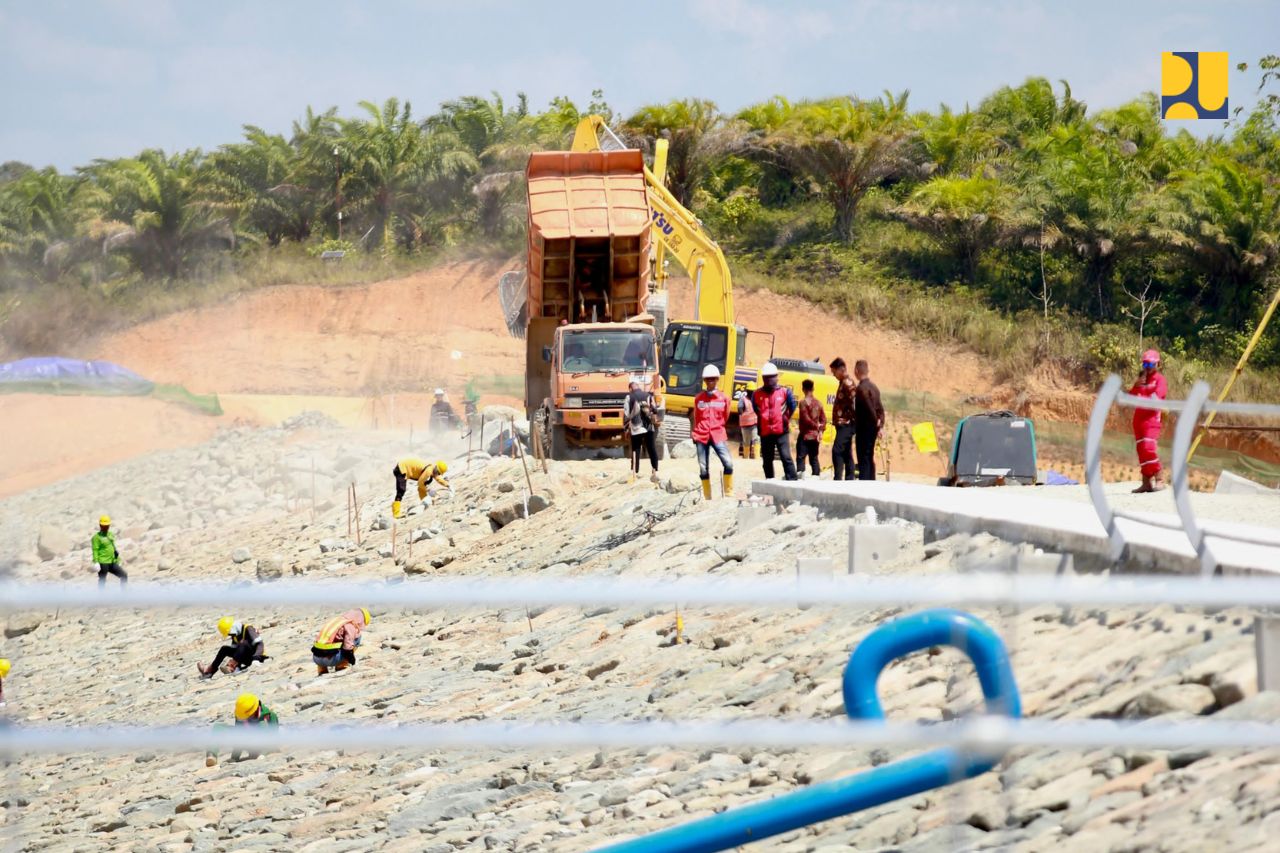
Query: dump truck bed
[588, 235]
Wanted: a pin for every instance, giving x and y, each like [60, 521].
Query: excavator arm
[678, 231]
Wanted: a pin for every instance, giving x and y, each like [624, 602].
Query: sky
[109, 78]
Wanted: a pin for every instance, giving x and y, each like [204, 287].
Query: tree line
[1030, 200]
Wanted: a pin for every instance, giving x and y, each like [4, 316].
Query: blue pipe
[874, 787]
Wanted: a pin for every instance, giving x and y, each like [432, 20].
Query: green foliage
[1026, 224]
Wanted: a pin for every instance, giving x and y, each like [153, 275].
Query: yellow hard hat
[104, 521]
[5, 666]
[367, 617]
[224, 625]
[442, 467]
[246, 706]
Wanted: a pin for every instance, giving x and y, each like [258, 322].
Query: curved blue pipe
[874, 787]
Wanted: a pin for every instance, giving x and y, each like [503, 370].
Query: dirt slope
[397, 335]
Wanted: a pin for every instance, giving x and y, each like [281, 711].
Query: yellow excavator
[712, 336]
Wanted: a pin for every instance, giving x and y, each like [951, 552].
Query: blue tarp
[71, 375]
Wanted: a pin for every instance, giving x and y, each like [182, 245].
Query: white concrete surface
[1052, 518]
[871, 546]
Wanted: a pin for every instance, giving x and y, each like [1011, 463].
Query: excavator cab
[689, 347]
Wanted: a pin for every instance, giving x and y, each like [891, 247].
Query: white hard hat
[710, 372]
[769, 369]
[439, 392]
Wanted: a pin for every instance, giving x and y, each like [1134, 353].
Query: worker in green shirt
[249, 712]
[105, 553]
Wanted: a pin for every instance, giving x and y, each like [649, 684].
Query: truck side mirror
[546, 354]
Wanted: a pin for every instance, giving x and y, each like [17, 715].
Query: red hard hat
[1151, 356]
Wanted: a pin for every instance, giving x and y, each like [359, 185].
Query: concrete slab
[1028, 514]
[1232, 484]
[871, 546]
[750, 517]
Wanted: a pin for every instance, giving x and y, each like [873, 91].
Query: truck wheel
[559, 443]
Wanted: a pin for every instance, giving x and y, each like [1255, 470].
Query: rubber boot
[205, 670]
[706, 490]
[395, 509]
[727, 485]
[751, 454]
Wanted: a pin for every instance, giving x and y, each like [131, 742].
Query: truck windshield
[603, 351]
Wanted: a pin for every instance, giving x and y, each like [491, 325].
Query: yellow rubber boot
[395, 509]
[727, 484]
[706, 490]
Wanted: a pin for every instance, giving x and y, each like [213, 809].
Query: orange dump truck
[587, 335]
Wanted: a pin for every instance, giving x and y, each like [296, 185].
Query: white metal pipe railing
[1189, 411]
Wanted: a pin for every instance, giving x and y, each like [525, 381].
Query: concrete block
[1043, 564]
[871, 546]
[810, 569]
[753, 516]
[1231, 484]
[814, 569]
[1266, 637]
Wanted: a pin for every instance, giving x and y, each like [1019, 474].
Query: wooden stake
[355, 502]
[313, 490]
[523, 462]
[348, 511]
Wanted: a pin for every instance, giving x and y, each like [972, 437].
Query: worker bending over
[105, 553]
[246, 648]
[249, 712]
[710, 416]
[413, 468]
[335, 647]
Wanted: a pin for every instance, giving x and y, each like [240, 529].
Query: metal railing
[1189, 412]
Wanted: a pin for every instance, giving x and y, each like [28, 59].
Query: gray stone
[385, 551]
[684, 450]
[53, 542]
[1191, 698]
[503, 514]
[1057, 795]
[271, 568]
[20, 624]
[506, 488]
[241, 555]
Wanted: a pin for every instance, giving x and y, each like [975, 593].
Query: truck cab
[591, 367]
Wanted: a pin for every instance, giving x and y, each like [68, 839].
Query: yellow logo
[1193, 84]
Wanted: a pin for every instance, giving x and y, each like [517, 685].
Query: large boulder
[683, 450]
[505, 513]
[271, 568]
[53, 542]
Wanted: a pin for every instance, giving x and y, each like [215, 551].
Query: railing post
[1093, 465]
[1182, 437]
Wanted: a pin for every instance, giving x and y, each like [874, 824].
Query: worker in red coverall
[1146, 422]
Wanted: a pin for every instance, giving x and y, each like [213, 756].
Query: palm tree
[383, 160]
[1016, 114]
[697, 134]
[169, 224]
[39, 209]
[965, 216]
[256, 178]
[954, 142]
[1094, 194]
[846, 146]
[1226, 220]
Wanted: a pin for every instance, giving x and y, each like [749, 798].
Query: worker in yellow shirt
[413, 468]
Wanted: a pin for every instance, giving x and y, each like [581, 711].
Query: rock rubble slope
[238, 508]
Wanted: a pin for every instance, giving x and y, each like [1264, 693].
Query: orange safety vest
[325, 639]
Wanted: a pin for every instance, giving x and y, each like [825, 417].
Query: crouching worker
[4, 670]
[246, 648]
[249, 712]
[413, 468]
[335, 647]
